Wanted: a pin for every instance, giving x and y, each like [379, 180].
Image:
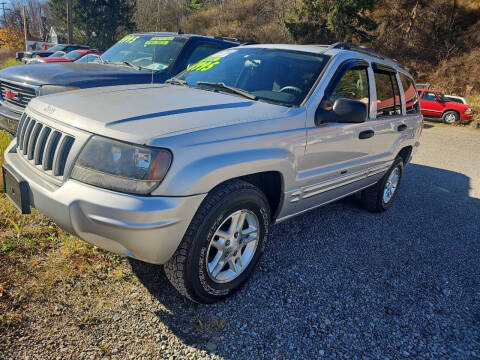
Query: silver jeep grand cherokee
[191, 174]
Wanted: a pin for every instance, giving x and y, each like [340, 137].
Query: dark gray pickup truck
[143, 58]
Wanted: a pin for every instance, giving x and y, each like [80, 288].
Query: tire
[374, 198]
[191, 269]
[450, 117]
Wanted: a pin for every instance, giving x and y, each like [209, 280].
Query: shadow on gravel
[342, 282]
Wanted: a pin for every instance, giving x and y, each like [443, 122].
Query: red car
[434, 104]
[69, 57]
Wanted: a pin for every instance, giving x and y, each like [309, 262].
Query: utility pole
[25, 25]
[69, 21]
[3, 11]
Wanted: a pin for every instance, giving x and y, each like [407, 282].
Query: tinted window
[352, 85]
[72, 55]
[280, 76]
[388, 104]
[396, 89]
[411, 94]
[429, 96]
[146, 51]
[201, 52]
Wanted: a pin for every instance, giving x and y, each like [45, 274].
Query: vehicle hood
[456, 105]
[141, 114]
[56, 59]
[82, 75]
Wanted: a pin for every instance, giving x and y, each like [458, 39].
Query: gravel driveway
[337, 282]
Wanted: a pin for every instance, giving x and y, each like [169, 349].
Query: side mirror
[343, 111]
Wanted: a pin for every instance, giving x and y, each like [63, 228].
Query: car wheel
[450, 117]
[380, 197]
[223, 243]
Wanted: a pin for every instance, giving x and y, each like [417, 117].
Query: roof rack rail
[226, 38]
[361, 49]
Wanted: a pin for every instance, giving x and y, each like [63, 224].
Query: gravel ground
[337, 282]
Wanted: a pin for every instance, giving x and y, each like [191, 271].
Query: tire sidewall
[397, 164]
[197, 273]
[450, 112]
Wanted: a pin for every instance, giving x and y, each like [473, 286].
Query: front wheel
[450, 117]
[380, 197]
[223, 243]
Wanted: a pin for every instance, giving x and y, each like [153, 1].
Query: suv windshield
[146, 51]
[280, 76]
[57, 47]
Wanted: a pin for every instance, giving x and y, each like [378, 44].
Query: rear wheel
[223, 243]
[450, 117]
[380, 197]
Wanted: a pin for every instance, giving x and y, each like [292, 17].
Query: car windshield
[72, 55]
[273, 75]
[57, 54]
[89, 58]
[441, 96]
[153, 52]
[57, 47]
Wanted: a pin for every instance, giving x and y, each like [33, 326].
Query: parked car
[44, 53]
[435, 105]
[193, 173]
[70, 57]
[89, 59]
[136, 59]
[458, 99]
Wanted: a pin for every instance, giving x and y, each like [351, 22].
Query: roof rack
[361, 49]
[226, 38]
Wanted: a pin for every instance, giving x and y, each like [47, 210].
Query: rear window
[411, 94]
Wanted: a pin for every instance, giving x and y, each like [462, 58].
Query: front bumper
[466, 117]
[142, 227]
[9, 118]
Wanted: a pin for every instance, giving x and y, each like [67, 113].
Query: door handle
[402, 127]
[367, 134]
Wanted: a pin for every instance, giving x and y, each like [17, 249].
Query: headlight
[119, 166]
[53, 89]
[468, 111]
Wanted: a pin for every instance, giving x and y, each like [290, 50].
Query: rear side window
[411, 95]
[388, 99]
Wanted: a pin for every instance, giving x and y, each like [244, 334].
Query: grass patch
[10, 62]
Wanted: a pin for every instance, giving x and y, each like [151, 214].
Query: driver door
[337, 155]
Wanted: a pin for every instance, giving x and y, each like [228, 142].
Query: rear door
[389, 122]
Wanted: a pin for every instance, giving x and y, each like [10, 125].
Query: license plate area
[16, 189]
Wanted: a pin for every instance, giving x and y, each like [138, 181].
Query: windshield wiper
[222, 86]
[104, 61]
[128, 63]
[176, 81]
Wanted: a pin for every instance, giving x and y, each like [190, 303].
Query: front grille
[18, 95]
[42, 146]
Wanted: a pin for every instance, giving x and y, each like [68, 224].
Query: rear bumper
[9, 119]
[147, 228]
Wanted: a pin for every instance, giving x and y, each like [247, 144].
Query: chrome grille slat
[44, 147]
[24, 93]
[26, 136]
[40, 148]
[33, 140]
[60, 157]
[21, 132]
[50, 149]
